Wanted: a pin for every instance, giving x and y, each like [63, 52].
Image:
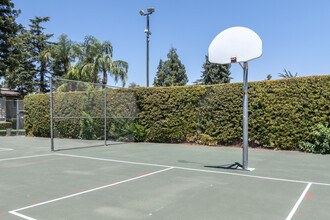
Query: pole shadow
[234, 166]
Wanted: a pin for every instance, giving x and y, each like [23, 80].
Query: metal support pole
[148, 33]
[51, 114]
[17, 118]
[105, 116]
[245, 116]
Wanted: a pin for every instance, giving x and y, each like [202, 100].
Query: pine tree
[22, 76]
[161, 75]
[171, 72]
[8, 30]
[40, 43]
[214, 73]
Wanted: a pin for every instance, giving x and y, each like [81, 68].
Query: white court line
[22, 216]
[294, 209]
[5, 149]
[17, 158]
[111, 160]
[198, 170]
[14, 212]
[252, 176]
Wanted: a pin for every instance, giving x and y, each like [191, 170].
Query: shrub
[203, 139]
[86, 127]
[5, 125]
[139, 132]
[207, 140]
[319, 140]
[121, 129]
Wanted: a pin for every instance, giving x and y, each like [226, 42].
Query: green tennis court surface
[158, 181]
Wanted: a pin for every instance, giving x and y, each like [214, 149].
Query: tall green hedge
[169, 114]
[281, 112]
[37, 115]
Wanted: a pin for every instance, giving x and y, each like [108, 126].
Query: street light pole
[148, 39]
[147, 31]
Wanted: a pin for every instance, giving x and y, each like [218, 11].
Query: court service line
[294, 209]
[253, 176]
[17, 158]
[32, 163]
[5, 149]
[15, 212]
[198, 170]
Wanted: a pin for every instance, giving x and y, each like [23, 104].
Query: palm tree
[64, 52]
[96, 57]
[118, 68]
[75, 73]
[287, 74]
[61, 55]
[87, 53]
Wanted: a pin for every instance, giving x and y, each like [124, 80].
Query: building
[9, 101]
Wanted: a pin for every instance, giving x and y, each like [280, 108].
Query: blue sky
[295, 33]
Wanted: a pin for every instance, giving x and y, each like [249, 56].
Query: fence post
[105, 115]
[17, 117]
[51, 114]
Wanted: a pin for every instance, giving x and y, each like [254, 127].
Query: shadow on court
[234, 166]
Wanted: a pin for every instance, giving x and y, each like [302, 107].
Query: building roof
[8, 92]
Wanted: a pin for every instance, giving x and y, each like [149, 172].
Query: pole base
[247, 169]
[240, 167]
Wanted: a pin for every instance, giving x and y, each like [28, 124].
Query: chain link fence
[11, 117]
[90, 114]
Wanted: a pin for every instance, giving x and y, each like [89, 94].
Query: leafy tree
[214, 73]
[8, 30]
[40, 43]
[171, 72]
[133, 85]
[287, 74]
[269, 77]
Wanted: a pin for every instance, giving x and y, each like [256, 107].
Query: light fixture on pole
[147, 31]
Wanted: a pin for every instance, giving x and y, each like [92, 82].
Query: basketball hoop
[241, 45]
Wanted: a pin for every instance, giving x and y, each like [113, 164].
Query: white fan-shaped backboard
[236, 44]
